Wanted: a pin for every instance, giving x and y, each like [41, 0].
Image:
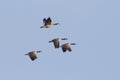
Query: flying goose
[33, 54]
[48, 23]
[56, 41]
[67, 46]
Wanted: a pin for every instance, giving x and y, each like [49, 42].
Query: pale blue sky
[93, 24]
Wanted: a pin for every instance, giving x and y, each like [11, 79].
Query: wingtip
[26, 54]
[41, 27]
[49, 41]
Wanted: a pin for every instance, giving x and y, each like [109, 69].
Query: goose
[67, 46]
[56, 41]
[33, 54]
[48, 23]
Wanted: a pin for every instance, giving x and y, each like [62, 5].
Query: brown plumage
[33, 54]
[67, 46]
[47, 23]
[56, 42]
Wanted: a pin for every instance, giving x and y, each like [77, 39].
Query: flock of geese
[47, 23]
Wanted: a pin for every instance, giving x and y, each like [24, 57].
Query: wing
[56, 43]
[44, 20]
[33, 56]
[48, 21]
[63, 49]
[69, 49]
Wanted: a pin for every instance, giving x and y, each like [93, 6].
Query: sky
[94, 25]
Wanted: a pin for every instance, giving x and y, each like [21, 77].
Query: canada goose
[33, 54]
[67, 46]
[48, 23]
[56, 41]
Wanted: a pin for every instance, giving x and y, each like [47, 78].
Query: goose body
[56, 41]
[33, 55]
[47, 23]
[67, 46]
